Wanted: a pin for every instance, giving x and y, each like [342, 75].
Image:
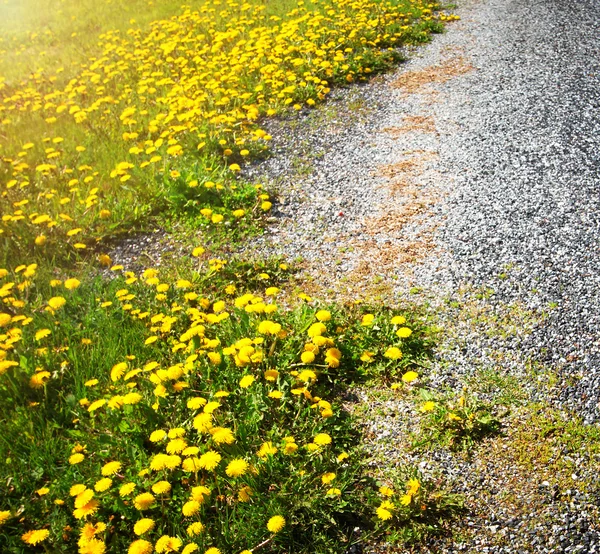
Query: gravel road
[474, 166]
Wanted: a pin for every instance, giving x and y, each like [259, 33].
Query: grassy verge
[202, 414]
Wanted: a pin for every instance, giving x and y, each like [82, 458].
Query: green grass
[72, 154]
[88, 336]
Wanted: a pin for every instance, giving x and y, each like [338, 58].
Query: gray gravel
[504, 170]
[527, 156]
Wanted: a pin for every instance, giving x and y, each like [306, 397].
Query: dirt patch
[385, 248]
[394, 220]
[410, 166]
[386, 256]
[413, 124]
[421, 80]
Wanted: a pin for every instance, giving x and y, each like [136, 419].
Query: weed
[457, 423]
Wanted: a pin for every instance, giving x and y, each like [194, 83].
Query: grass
[457, 422]
[138, 362]
[49, 35]
[548, 438]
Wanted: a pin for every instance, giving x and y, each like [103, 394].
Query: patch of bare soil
[421, 80]
[413, 124]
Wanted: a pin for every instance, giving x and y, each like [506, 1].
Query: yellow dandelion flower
[307, 357]
[143, 501]
[383, 514]
[211, 407]
[118, 370]
[271, 374]
[90, 530]
[176, 446]
[191, 464]
[290, 448]
[103, 484]
[203, 422]
[143, 526]
[276, 524]
[140, 547]
[35, 536]
[326, 478]
[126, 489]
[316, 329]
[210, 460]
[322, 439]
[42, 333]
[76, 489]
[393, 353]
[428, 406]
[367, 320]
[76, 458]
[410, 376]
[83, 498]
[96, 405]
[367, 357]
[194, 529]
[199, 493]
[4, 516]
[158, 435]
[111, 468]
[237, 467]
[246, 381]
[245, 493]
[412, 486]
[307, 375]
[5, 319]
[162, 487]
[56, 302]
[86, 510]
[403, 332]
[190, 508]
[386, 491]
[323, 315]
[158, 462]
[168, 544]
[71, 284]
[39, 379]
[92, 546]
[196, 403]
[222, 435]
[267, 449]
